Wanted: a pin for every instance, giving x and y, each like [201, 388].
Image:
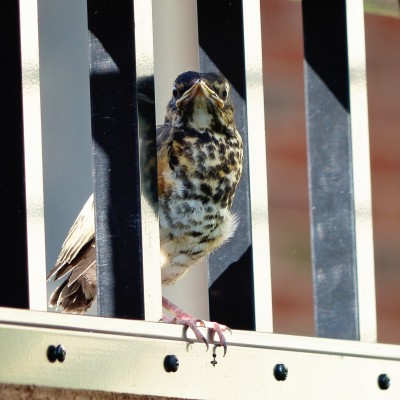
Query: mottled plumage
[200, 157]
[199, 153]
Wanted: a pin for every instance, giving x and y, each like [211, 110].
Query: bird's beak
[200, 88]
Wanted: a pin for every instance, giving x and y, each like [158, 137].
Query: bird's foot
[182, 318]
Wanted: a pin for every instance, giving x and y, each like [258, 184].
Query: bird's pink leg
[183, 318]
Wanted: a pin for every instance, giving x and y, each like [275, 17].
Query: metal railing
[121, 67]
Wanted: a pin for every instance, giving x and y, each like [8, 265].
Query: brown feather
[78, 291]
[80, 235]
[165, 180]
[77, 257]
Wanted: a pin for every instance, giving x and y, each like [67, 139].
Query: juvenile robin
[199, 157]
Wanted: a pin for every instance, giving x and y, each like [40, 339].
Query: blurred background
[67, 141]
[287, 168]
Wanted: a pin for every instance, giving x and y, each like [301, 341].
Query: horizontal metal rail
[132, 355]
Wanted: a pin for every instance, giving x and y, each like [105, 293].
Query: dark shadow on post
[233, 301]
[222, 49]
[116, 158]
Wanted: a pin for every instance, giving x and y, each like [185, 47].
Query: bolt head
[56, 353]
[60, 353]
[280, 372]
[171, 363]
[383, 381]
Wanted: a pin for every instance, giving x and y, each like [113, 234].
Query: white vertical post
[257, 166]
[150, 224]
[191, 292]
[33, 154]
[361, 170]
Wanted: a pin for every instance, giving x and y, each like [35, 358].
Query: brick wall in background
[287, 168]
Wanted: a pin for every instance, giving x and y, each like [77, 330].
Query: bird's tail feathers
[74, 298]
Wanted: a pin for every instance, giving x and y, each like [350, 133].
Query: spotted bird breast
[198, 176]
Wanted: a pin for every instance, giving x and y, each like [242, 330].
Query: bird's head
[201, 101]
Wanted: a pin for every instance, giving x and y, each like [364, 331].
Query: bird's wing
[75, 253]
[80, 236]
[78, 252]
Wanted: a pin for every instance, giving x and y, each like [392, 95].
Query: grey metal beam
[332, 178]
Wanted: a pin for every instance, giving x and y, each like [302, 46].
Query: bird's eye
[175, 92]
[224, 93]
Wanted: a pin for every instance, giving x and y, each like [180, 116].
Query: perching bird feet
[183, 318]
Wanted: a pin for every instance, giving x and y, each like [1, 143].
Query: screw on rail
[171, 363]
[383, 381]
[280, 372]
[56, 353]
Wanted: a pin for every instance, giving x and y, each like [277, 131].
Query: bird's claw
[219, 329]
[213, 327]
[182, 318]
[194, 324]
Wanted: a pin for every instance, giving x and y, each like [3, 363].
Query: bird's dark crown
[184, 116]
